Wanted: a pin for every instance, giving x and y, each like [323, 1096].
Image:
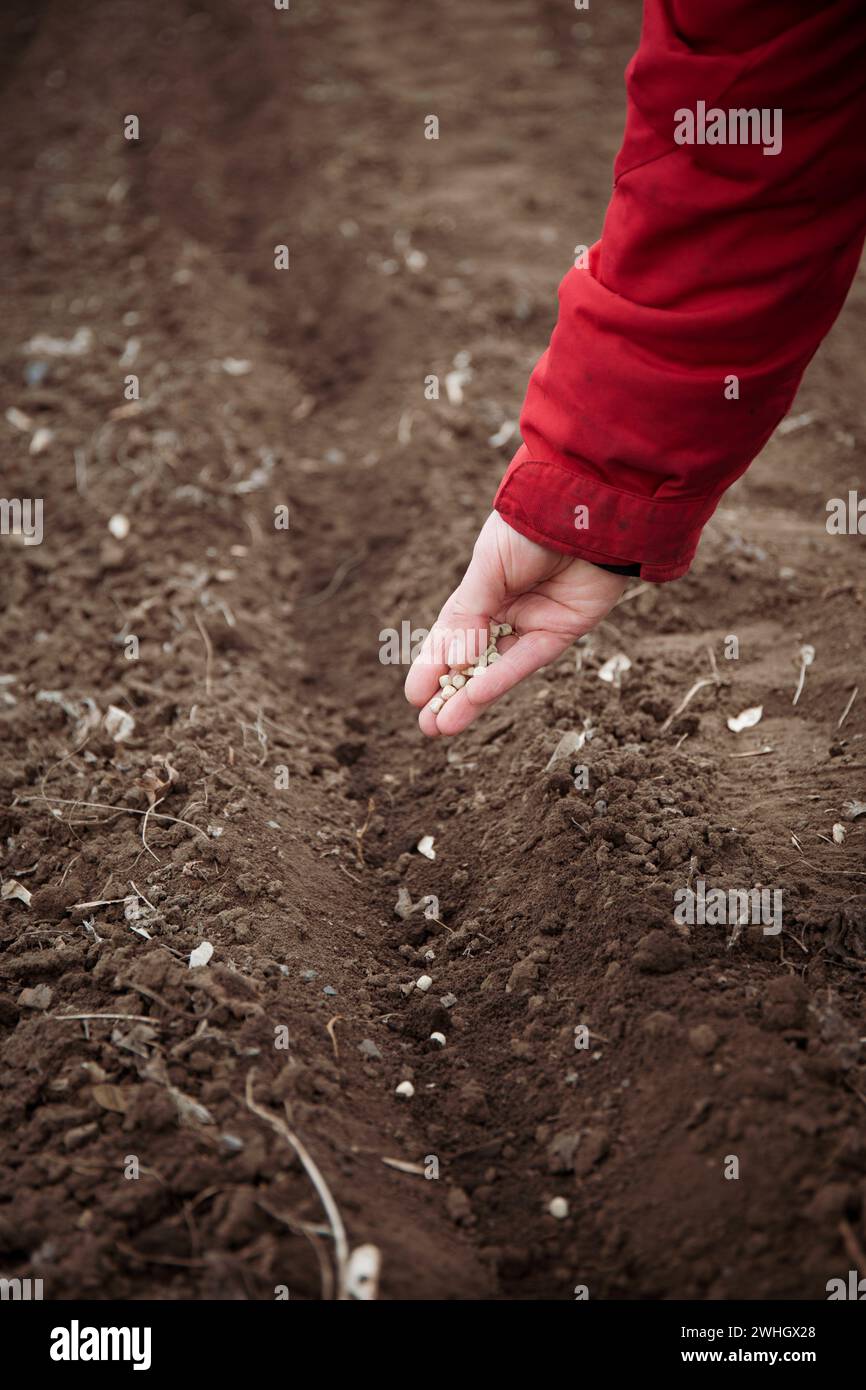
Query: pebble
[368, 1048]
[703, 1039]
[39, 997]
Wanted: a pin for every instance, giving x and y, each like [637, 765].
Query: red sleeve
[716, 261]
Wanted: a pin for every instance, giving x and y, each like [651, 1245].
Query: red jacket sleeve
[716, 261]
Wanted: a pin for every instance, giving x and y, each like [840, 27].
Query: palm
[549, 599]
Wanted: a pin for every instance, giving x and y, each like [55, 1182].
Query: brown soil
[259, 649]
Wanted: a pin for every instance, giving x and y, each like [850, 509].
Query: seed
[558, 1208]
[505, 629]
[423, 983]
[447, 691]
[444, 680]
[436, 704]
[458, 681]
[438, 1038]
[408, 1090]
[494, 656]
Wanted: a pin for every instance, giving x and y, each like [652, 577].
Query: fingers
[523, 657]
[459, 635]
[452, 641]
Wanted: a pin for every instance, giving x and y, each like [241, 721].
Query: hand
[548, 598]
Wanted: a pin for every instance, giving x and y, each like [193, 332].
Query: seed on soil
[558, 1208]
[119, 526]
[438, 1038]
[425, 847]
[747, 720]
[423, 983]
[405, 1089]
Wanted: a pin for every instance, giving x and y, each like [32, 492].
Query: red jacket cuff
[563, 509]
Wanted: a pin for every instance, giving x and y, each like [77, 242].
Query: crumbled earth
[273, 788]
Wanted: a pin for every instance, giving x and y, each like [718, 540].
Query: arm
[720, 269]
[681, 344]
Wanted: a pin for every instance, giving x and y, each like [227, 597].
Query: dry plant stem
[359, 834]
[335, 1221]
[139, 893]
[130, 1018]
[329, 1028]
[698, 685]
[147, 813]
[208, 653]
[312, 1234]
[121, 810]
[847, 710]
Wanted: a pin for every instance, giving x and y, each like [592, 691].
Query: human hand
[548, 598]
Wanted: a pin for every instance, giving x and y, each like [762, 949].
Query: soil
[288, 784]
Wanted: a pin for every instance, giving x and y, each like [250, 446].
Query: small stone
[458, 1205]
[520, 977]
[329, 989]
[703, 1039]
[561, 1151]
[368, 1048]
[39, 997]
